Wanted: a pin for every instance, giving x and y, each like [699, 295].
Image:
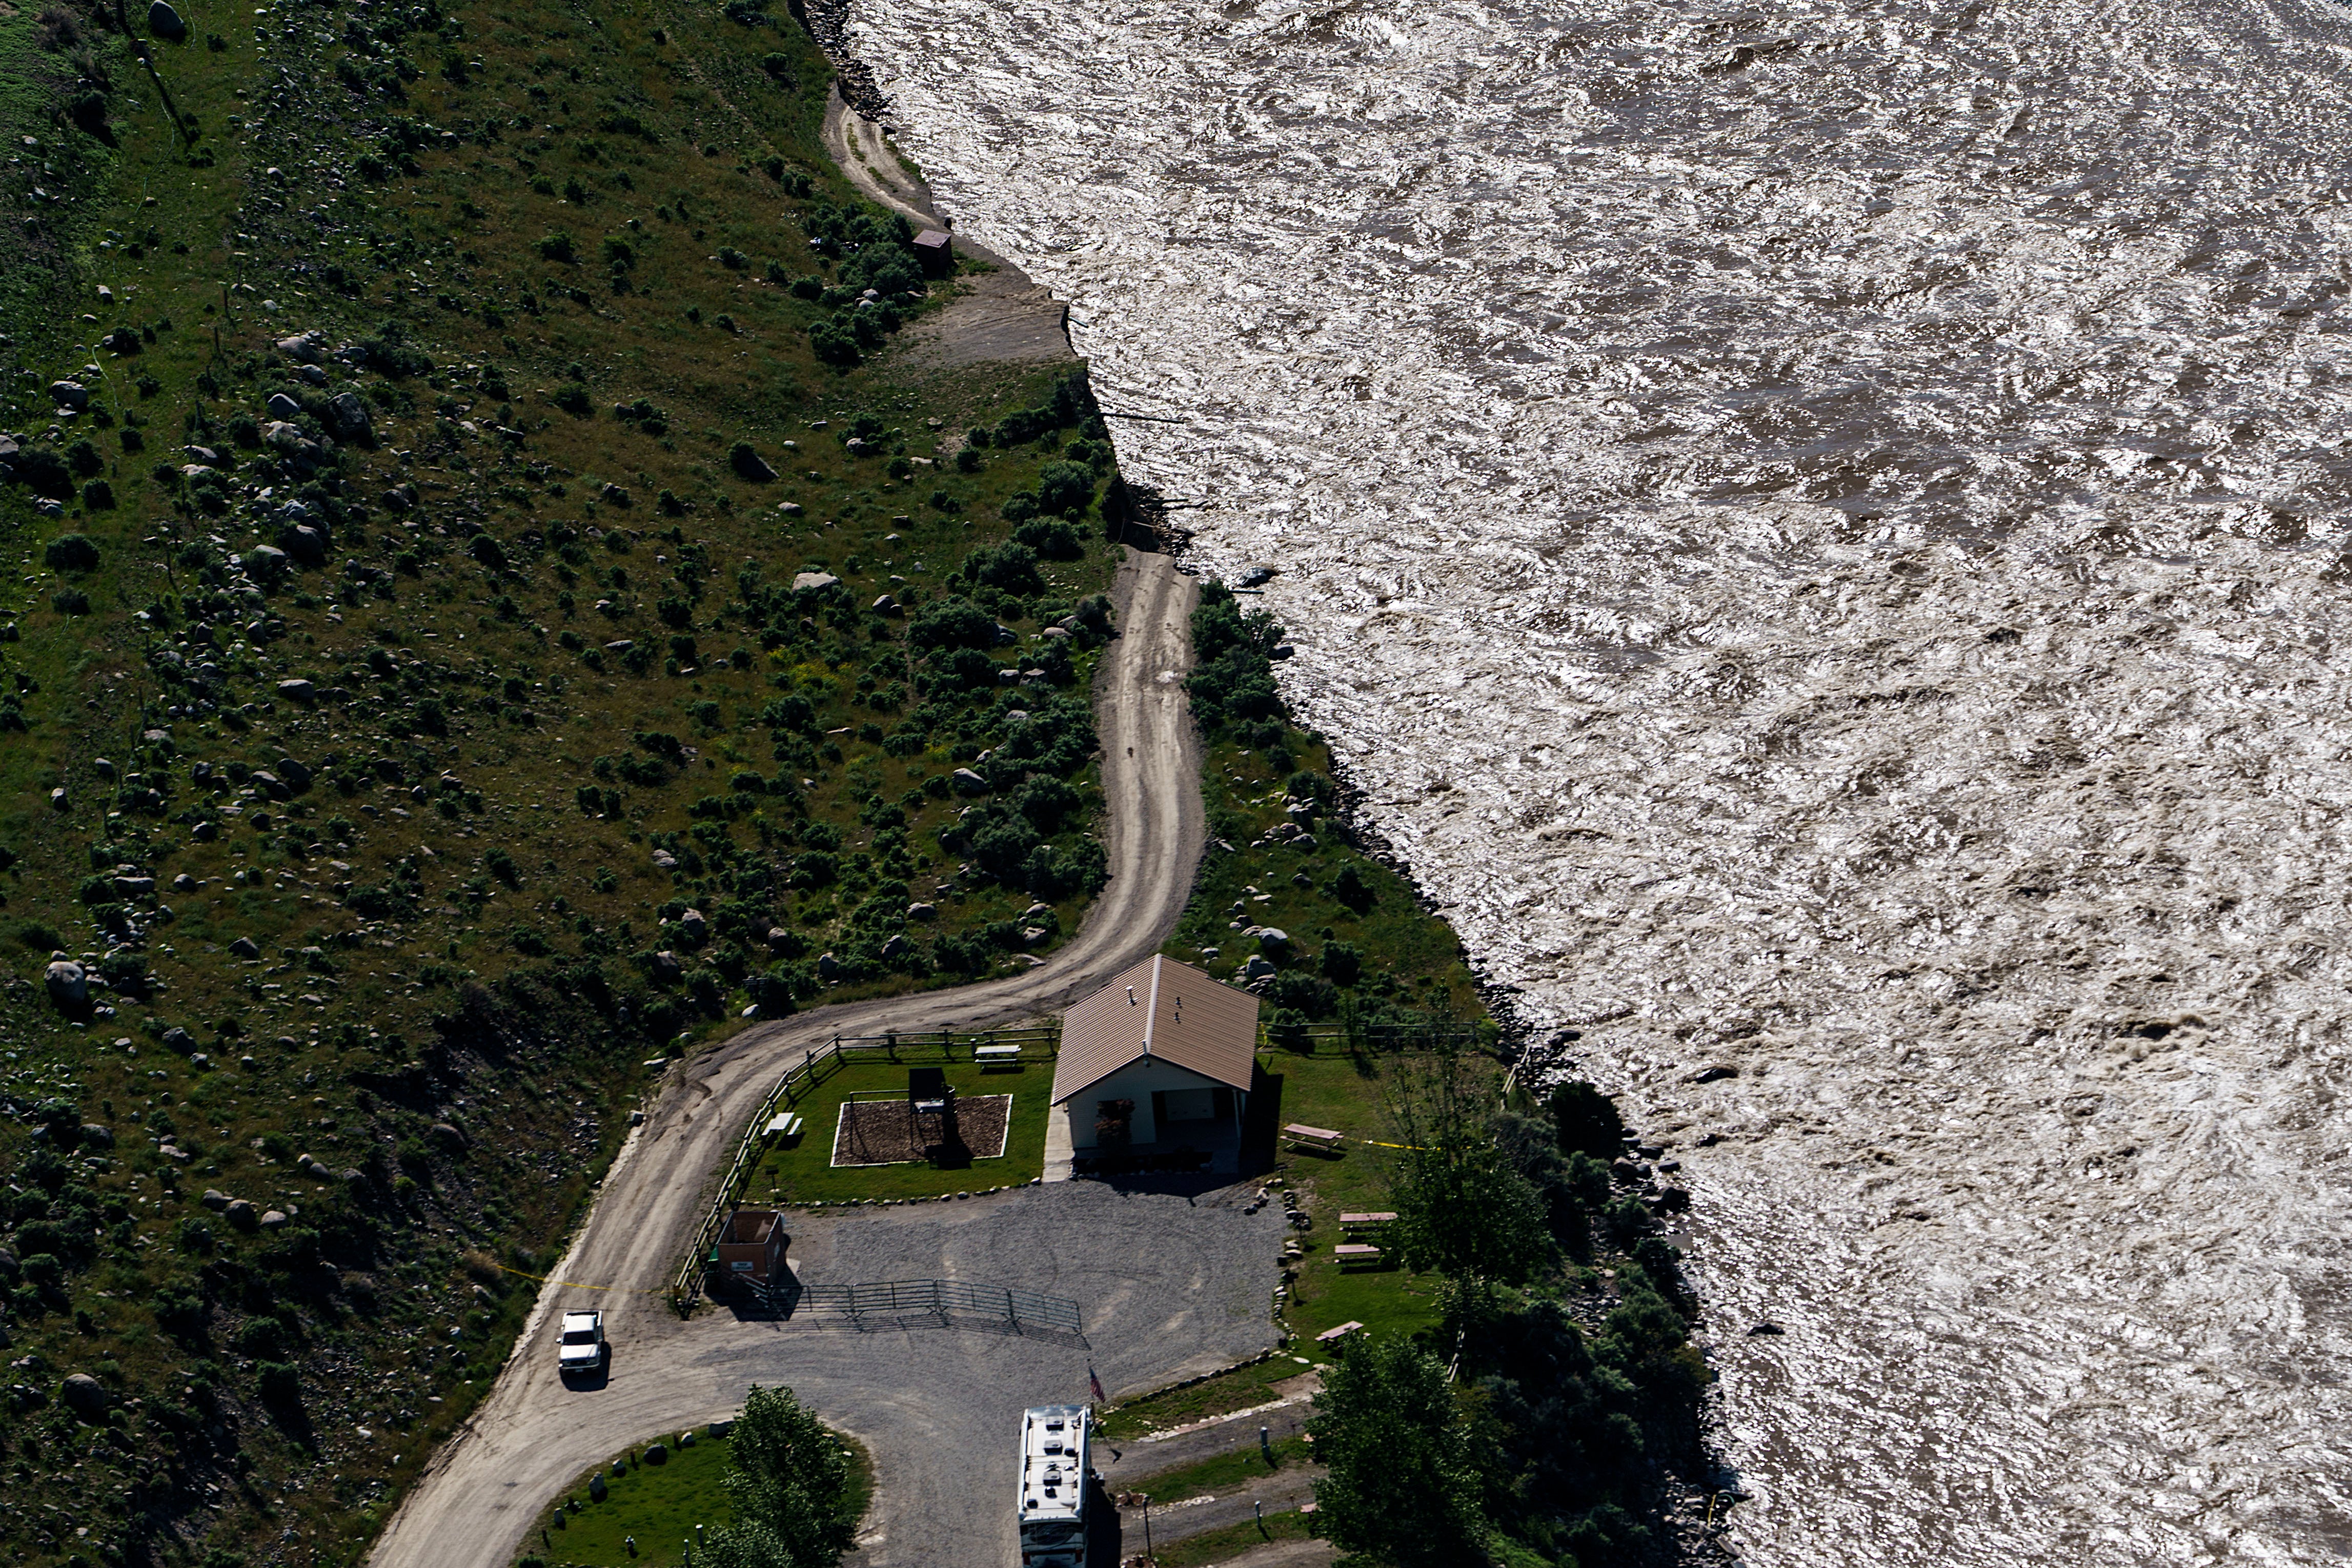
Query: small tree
[787, 1474]
[1402, 1489]
[1460, 1209]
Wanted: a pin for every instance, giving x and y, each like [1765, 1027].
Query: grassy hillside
[447, 665]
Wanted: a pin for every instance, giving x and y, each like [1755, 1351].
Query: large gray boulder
[69, 983]
[353, 421]
[69, 395]
[165, 23]
[84, 1395]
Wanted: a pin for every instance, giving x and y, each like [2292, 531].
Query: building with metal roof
[1161, 1060]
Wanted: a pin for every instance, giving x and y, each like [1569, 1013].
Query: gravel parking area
[1168, 1288]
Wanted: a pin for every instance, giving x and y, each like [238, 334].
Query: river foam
[1821, 530]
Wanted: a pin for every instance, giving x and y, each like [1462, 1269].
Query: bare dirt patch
[884, 1133]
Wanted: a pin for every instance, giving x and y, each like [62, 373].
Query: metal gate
[871, 1305]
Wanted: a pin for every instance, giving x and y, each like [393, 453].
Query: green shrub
[71, 552]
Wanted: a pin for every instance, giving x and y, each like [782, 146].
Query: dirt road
[533, 1435]
[999, 317]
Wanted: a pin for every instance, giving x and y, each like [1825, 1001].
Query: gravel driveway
[1168, 1288]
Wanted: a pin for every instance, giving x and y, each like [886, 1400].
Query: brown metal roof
[1162, 1009]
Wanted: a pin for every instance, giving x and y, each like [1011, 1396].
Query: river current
[1822, 531]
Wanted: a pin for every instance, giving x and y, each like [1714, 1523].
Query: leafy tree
[1461, 1208]
[787, 1475]
[1065, 489]
[1400, 1489]
[1587, 1120]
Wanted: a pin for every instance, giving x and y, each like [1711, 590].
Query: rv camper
[1054, 1486]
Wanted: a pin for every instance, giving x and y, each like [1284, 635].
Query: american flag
[1096, 1384]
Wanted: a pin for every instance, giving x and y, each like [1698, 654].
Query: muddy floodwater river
[1821, 529]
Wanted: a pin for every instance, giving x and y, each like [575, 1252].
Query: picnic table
[996, 1055]
[1333, 1336]
[786, 1125]
[1322, 1138]
[1382, 1216]
[1356, 1252]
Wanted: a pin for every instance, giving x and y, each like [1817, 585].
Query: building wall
[1135, 1081]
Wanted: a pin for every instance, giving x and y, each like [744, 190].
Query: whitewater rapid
[1822, 529]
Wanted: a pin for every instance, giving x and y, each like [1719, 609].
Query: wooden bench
[1323, 1140]
[1333, 1336]
[997, 1055]
[1354, 1253]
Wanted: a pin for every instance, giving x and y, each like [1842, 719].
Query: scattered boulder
[749, 465]
[84, 1395]
[96, 1136]
[895, 946]
[789, 509]
[283, 408]
[241, 1213]
[695, 927]
[173, 1152]
[215, 1199]
[922, 912]
[1272, 939]
[447, 1136]
[351, 419]
[272, 1219]
[1257, 969]
[885, 605]
[69, 983]
[966, 782]
[1765, 1327]
[1713, 1074]
[666, 967]
[266, 560]
[657, 1453]
[814, 581]
[69, 395]
[304, 349]
[245, 948]
[665, 860]
[827, 966]
[298, 691]
[180, 1039]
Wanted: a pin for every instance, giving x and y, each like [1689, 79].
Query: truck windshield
[580, 1336]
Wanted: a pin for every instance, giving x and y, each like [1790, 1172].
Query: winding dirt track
[531, 1436]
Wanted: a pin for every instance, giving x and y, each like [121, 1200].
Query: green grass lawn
[802, 1171]
[1344, 1094]
[1215, 1546]
[1241, 1388]
[1225, 1473]
[657, 1506]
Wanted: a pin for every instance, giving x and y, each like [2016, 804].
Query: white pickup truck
[580, 1347]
